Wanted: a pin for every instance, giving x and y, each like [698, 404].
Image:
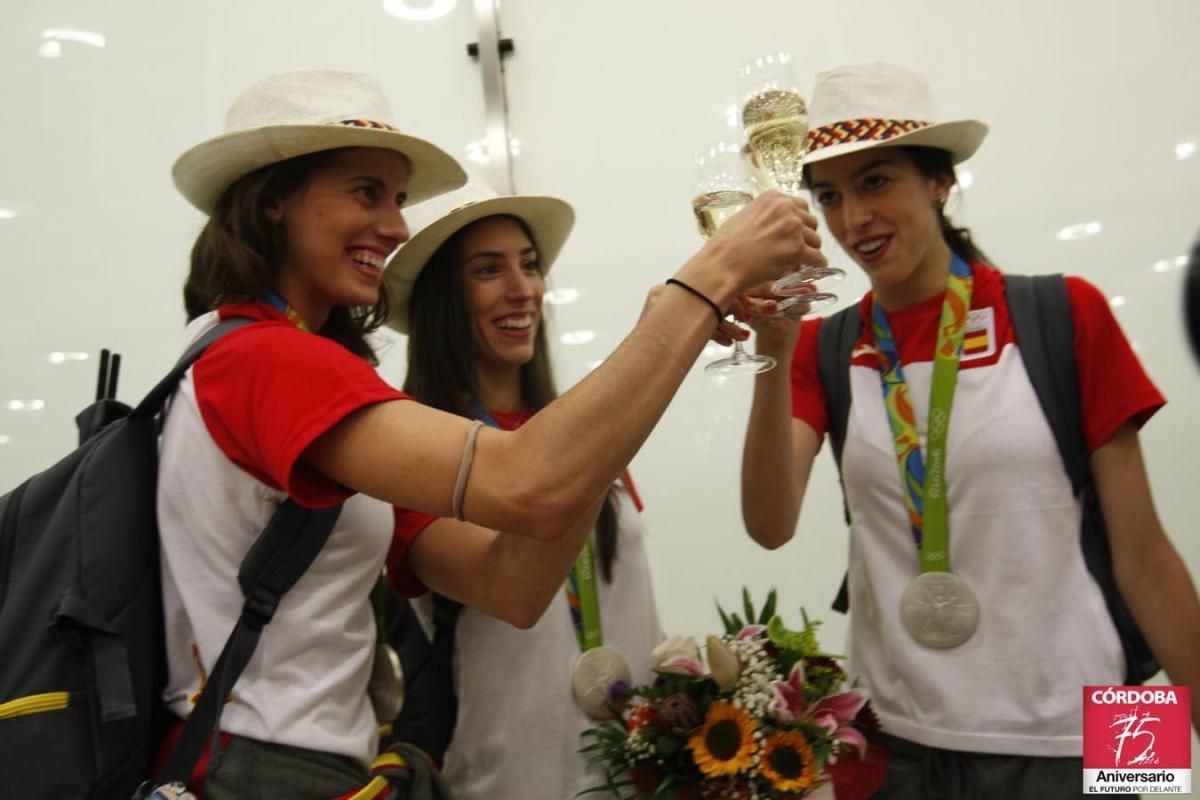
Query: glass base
[740, 363]
[791, 283]
[804, 304]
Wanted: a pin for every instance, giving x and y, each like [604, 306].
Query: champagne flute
[775, 118]
[722, 190]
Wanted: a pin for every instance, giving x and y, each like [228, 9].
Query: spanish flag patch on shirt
[980, 338]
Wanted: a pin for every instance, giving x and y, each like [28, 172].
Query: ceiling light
[6, 214]
[61, 357]
[75, 35]
[1117, 301]
[417, 11]
[1083, 230]
[50, 49]
[1161, 266]
[1181, 261]
[1185, 150]
[5, 438]
[577, 337]
[966, 178]
[26, 405]
[558, 297]
[477, 152]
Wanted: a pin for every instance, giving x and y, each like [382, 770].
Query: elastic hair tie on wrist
[715, 309]
[464, 470]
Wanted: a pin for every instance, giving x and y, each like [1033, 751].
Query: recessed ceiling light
[1117, 301]
[577, 337]
[50, 49]
[1185, 150]
[1161, 266]
[61, 357]
[477, 152]
[1181, 261]
[417, 11]
[74, 35]
[558, 297]
[5, 438]
[6, 214]
[26, 405]
[966, 178]
[1083, 230]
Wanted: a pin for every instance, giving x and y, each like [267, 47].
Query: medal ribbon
[582, 595]
[279, 304]
[924, 481]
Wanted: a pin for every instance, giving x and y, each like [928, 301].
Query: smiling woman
[469, 289]
[304, 195]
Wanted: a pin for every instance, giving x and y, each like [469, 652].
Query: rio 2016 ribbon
[924, 480]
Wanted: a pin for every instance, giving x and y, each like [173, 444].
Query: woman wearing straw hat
[303, 195]
[975, 619]
[468, 290]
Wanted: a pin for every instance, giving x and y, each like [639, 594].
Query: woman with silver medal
[975, 620]
[469, 288]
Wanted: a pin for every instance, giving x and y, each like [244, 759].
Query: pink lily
[789, 695]
[833, 713]
[750, 631]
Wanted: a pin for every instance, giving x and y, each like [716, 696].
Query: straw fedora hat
[296, 113]
[549, 219]
[860, 106]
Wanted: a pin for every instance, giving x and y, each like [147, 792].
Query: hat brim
[550, 220]
[204, 172]
[961, 138]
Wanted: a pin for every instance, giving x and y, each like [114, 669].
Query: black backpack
[1041, 317]
[82, 655]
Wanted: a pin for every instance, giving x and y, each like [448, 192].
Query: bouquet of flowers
[768, 717]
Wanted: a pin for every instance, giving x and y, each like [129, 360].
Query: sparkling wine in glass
[775, 119]
[722, 190]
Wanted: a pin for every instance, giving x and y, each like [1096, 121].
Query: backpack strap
[153, 402]
[835, 345]
[279, 557]
[1040, 309]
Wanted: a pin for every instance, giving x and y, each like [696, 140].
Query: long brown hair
[237, 255]
[933, 162]
[442, 353]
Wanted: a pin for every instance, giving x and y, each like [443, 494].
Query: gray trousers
[917, 772]
[253, 770]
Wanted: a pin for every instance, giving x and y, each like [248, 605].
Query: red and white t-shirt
[1044, 630]
[241, 418]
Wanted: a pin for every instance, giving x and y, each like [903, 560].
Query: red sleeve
[808, 398]
[268, 390]
[1113, 387]
[409, 525]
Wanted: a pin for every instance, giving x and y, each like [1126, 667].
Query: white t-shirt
[1044, 631]
[241, 417]
[518, 731]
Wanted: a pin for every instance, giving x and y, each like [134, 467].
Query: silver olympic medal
[595, 672]
[940, 609]
[386, 687]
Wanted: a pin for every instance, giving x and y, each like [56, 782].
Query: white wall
[1087, 100]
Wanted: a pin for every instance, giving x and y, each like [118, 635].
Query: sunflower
[725, 744]
[787, 761]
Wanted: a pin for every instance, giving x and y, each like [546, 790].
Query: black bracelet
[715, 309]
